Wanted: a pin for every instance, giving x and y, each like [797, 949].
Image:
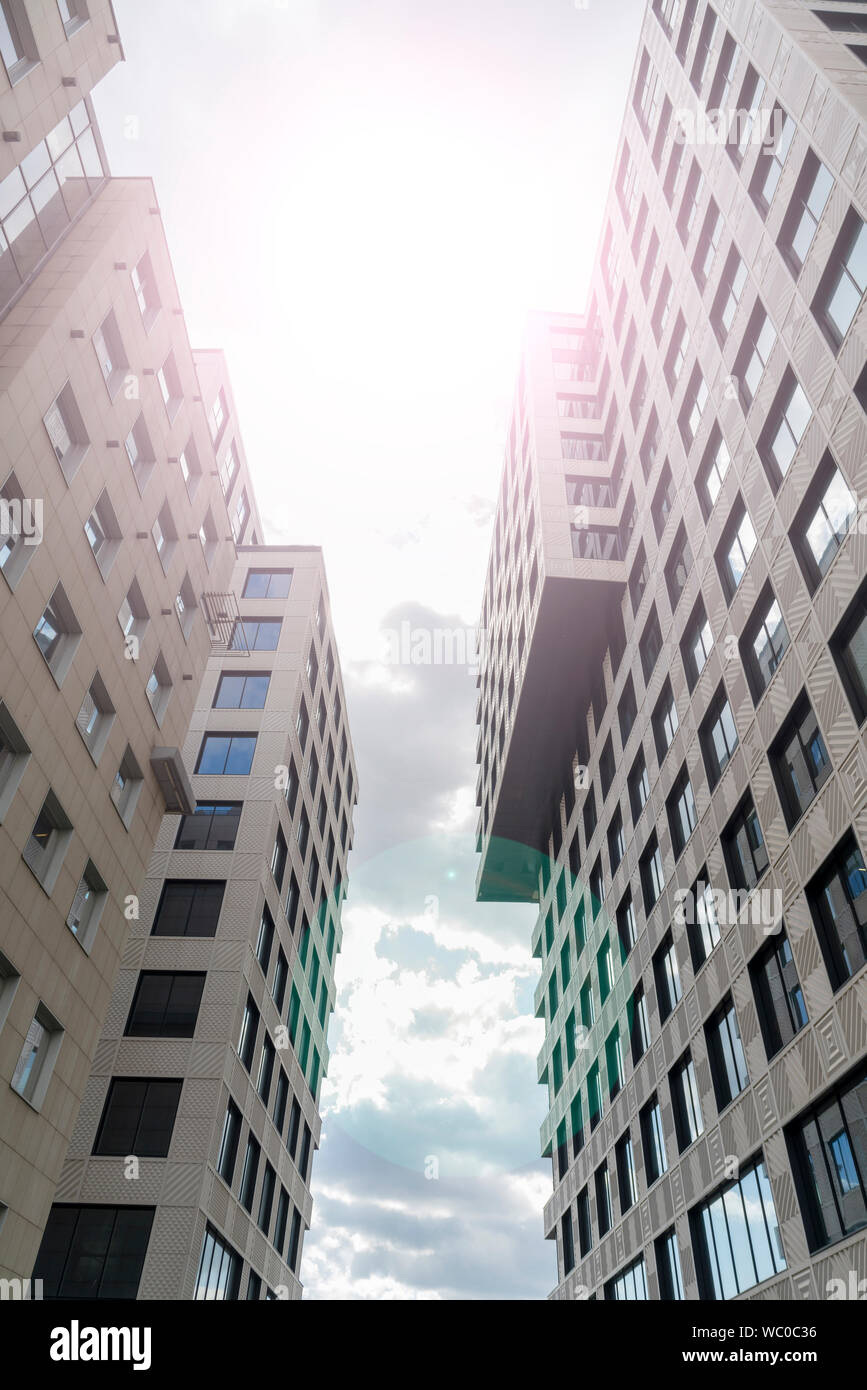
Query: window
[616, 841]
[171, 388]
[265, 940]
[266, 1071]
[103, 533]
[838, 901]
[841, 288]
[138, 1118]
[111, 354]
[829, 1159]
[718, 736]
[88, 905]
[665, 721]
[14, 756]
[735, 549]
[639, 786]
[666, 973]
[626, 1179]
[567, 1243]
[93, 1252]
[809, 201]
[249, 1031]
[585, 1230]
[20, 531]
[219, 1276]
[650, 645]
[226, 755]
[799, 760]
[682, 815]
[688, 1122]
[626, 927]
[787, 424]
[294, 1240]
[662, 309]
[663, 502]
[639, 1029]
[692, 410]
[677, 351]
[186, 606]
[715, 466]
[159, 689]
[133, 615]
[270, 584]
[697, 644]
[668, 1266]
[165, 536]
[278, 859]
[49, 840]
[772, 159]
[189, 907]
[35, 1064]
[67, 432]
[145, 286]
[653, 1141]
[213, 825]
[764, 643]
[849, 646]
[602, 1184]
[728, 1064]
[752, 359]
[702, 921]
[736, 1236]
[749, 107]
[17, 46]
[728, 296]
[242, 691]
[627, 711]
[678, 567]
[219, 415]
[652, 875]
[208, 538]
[823, 522]
[166, 1004]
[228, 1152]
[638, 578]
[240, 515]
[95, 718]
[779, 997]
[281, 974]
[708, 244]
[256, 635]
[57, 634]
[191, 467]
[744, 848]
[126, 787]
[668, 12]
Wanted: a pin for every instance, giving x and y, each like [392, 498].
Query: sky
[363, 200]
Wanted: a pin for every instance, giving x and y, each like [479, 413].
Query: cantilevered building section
[208, 1072]
[672, 706]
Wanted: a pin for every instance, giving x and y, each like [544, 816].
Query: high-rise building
[188, 1175]
[128, 525]
[673, 763]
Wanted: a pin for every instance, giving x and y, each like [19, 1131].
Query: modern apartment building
[188, 1175]
[672, 746]
[119, 520]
